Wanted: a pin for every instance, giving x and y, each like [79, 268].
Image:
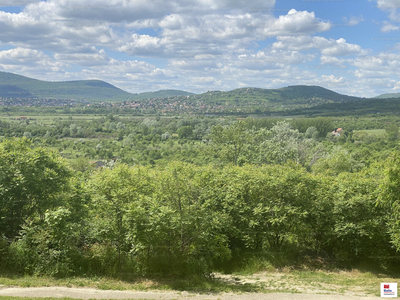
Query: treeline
[183, 219]
[351, 108]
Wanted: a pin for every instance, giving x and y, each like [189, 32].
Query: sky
[349, 46]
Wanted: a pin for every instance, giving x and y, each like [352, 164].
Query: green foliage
[230, 142]
[53, 244]
[280, 145]
[359, 225]
[45, 248]
[336, 162]
[390, 197]
[251, 193]
[322, 125]
[30, 180]
[114, 190]
[392, 131]
[185, 132]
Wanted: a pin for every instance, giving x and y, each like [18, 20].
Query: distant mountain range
[17, 86]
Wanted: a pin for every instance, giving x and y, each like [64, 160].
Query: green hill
[290, 96]
[366, 106]
[159, 94]
[17, 86]
[390, 95]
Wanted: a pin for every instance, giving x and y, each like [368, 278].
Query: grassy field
[352, 282]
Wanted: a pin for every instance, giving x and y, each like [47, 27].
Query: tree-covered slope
[159, 94]
[17, 86]
[366, 106]
[12, 85]
[291, 95]
[389, 95]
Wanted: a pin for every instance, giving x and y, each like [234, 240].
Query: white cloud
[143, 45]
[334, 61]
[272, 59]
[382, 65]
[215, 34]
[29, 62]
[131, 11]
[133, 76]
[94, 58]
[331, 79]
[329, 47]
[295, 23]
[340, 47]
[17, 2]
[387, 27]
[67, 26]
[390, 6]
[353, 20]
[193, 45]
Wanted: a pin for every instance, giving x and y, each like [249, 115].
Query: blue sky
[349, 46]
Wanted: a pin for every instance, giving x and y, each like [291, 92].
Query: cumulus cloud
[327, 46]
[143, 45]
[330, 60]
[188, 35]
[272, 59]
[329, 79]
[295, 23]
[391, 6]
[132, 11]
[133, 75]
[217, 27]
[381, 65]
[36, 27]
[202, 61]
[192, 45]
[94, 58]
[340, 47]
[29, 62]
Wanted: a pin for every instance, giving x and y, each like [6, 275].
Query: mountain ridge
[387, 96]
[13, 85]
[19, 86]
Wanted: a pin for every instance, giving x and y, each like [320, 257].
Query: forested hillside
[17, 86]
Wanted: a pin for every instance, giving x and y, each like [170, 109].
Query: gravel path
[89, 293]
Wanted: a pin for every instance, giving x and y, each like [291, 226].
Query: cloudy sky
[349, 46]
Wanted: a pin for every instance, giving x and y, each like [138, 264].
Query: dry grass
[315, 282]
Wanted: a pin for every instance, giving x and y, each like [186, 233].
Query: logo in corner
[389, 290]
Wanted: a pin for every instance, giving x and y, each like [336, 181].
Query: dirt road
[90, 293]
